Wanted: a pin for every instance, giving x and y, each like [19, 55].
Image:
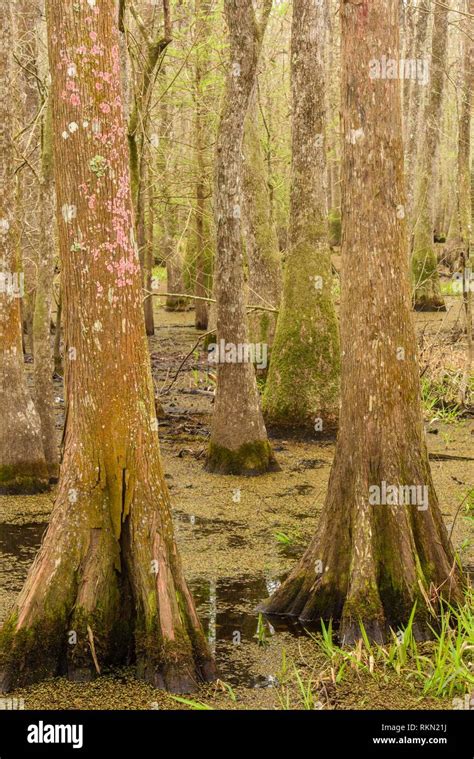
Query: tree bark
[303, 381]
[203, 253]
[108, 568]
[239, 443]
[415, 105]
[43, 354]
[263, 255]
[370, 563]
[424, 263]
[22, 463]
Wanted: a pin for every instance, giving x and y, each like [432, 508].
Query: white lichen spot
[71, 70]
[65, 135]
[97, 326]
[69, 212]
[85, 124]
[400, 212]
[91, 3]
[73, 127]
[4, 226]
[355, 135]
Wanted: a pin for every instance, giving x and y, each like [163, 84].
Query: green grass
[435, 405]
[442, 667]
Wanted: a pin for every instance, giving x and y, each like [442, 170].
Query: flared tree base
[250, 459]
[94, 599]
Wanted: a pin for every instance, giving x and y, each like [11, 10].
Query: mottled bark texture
[426, 285]
[22, 462]
[151, 50]
[43, 353]
[202, 139]
[414, 106]
[108, 569]
[239, 441]
[303, 381]
[463, 210]
[261, 241]
[367, 562]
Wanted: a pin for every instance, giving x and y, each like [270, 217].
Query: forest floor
[238, 537]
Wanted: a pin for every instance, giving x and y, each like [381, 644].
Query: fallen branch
[209, 300]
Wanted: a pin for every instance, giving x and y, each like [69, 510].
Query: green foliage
[261, 634]
[434, 396]
[444, 666]
[195, 705]
[98, 165]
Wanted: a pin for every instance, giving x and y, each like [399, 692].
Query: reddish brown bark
[238, 439]
[108, 568]
[371, 562]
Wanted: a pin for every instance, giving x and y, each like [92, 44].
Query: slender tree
[151, 50]
[22, 463]
[107, 584]
[414, 106]
[303, 380]
[202, 138]
[424, 263]
[374, 555]
[239, 441]
[261, 242]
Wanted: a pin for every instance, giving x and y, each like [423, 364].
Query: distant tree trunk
[58, 363]
[148, 253]
[202, 137]
[415, 105]
[333, 127]
[370, 563]
[263, 255]
[108, 568]
[43, 355]
[239, 443]
[303, 381]
[427, 291]
[138, 145]
[463, 208]
[22, 463]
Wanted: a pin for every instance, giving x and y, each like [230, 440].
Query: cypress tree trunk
[263, 255]
[427, 291]
[415, 105]
[108, 568]
[138, 124]
[463, 210]
[371, 561]
[203, 253]
[303, 380]
[43, 355]
[239, 442]
[22, 463]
